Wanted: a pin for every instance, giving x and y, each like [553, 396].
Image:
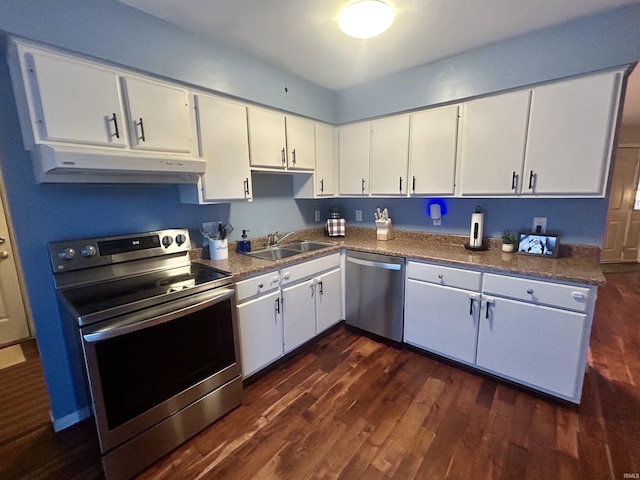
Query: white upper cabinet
[224, 144]
[432, 158]
[353, 153]
[571, 131]
[160, 116]
[301, 145]
[73, 102]
[389, 155]
[493, 136]
[267, 139]
[325, 160]
[279, 141]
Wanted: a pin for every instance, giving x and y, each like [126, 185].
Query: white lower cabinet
[311, 299]
[528, 331]
[259, 309]
[260, 325]
[442, 320]
[532, 344]
[280, 310]
[299, 314]
[328, 299]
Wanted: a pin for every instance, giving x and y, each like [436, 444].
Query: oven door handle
[107, 333]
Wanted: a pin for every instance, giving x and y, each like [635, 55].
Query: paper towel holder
[477, 219]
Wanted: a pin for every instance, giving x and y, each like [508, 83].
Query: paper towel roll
[477, 224]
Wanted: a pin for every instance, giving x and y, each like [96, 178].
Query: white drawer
[253, 286]
[450, 277]
[301, 271]
[571, 297]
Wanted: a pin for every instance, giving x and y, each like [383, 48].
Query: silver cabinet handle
[293, 156]
[363, 185]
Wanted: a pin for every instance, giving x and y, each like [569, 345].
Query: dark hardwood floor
[349, 407]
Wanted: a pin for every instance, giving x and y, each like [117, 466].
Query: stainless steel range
[159, 339]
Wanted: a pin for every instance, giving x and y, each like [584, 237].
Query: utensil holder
[218, 249]
[385, 230]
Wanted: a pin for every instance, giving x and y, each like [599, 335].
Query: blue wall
[115, 32]
[587, 45]
[572, 218]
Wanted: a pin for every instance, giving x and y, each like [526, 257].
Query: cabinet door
[267, 141]
[570, 136]
[325, 160]
[328, 299]
[389, 155]
[536, 345]
[434, 137]
[78, 102]
[224, 144]
[353, 146]
[493, 142]
[301, 143]
[260, 331]
[160, 116]
[299, 314]
[442, 320]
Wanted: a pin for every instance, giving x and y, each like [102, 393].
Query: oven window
[143, 369]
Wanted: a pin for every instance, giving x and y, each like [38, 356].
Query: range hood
[67, 164]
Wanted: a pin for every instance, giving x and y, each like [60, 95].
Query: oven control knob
[66, 254]
[180, 239]
[167, 240]
[88, 251]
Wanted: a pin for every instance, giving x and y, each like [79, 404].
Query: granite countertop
[577, 264]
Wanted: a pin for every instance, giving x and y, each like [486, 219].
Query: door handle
[413, 184]
[531, 177]
[514, 181]
[115, 125]
[142, 136]
[4, 254]
[284, 159]
[246, 186]
[278, 305]
[321, 185]
[400, 184]
[363, 185]
[293, 156]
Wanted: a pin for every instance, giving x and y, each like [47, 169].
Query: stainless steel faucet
[275, 239]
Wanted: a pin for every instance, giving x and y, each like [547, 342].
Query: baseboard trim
[71, 419]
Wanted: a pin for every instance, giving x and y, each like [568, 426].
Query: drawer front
[257, 285]
[301, 271]
[447, 276]
[570, 297]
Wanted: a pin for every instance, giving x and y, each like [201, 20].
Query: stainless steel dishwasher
[375, 293]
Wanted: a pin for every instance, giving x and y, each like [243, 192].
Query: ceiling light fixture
[366, 18]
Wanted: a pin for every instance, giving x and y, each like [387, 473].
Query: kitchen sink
[307, 245]
[278, 252]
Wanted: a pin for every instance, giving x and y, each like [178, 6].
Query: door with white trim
[622, 237]
[13, 317]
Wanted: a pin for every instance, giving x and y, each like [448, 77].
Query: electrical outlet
[539, 225]
[358, 215]
[317, 216]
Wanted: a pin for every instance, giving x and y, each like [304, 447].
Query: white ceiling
[302, 36]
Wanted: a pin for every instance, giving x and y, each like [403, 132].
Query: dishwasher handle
[368, 263]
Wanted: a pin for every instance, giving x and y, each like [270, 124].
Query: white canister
[218, 249]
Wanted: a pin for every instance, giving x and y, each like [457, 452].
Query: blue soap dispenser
[244, 245]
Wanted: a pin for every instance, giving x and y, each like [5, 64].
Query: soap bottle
[244, 245]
